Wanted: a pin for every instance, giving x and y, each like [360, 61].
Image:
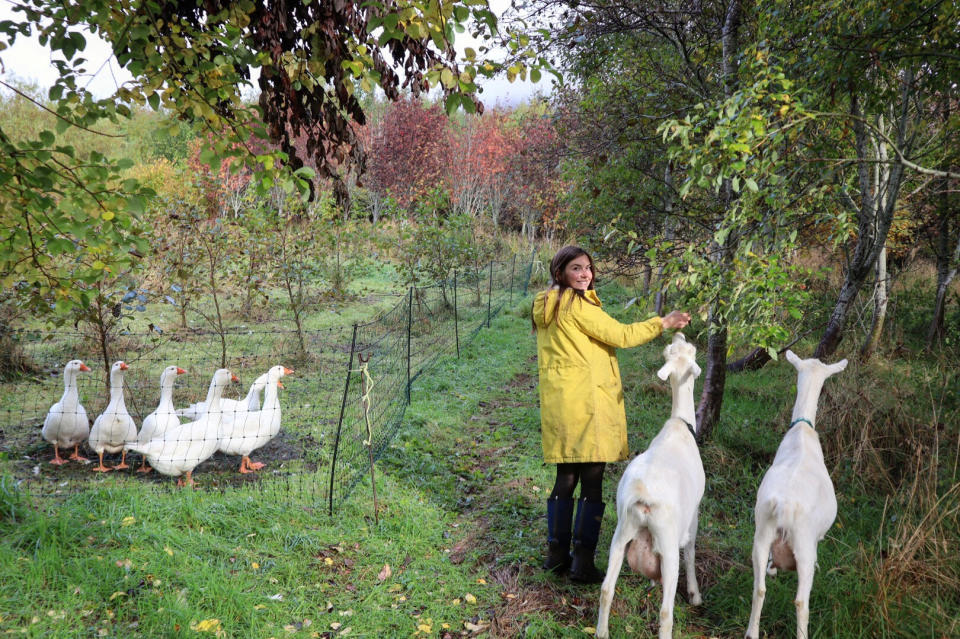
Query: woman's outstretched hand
[676, 319]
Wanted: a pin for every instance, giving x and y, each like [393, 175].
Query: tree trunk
[714, 382]
[881, 295]
[878, 197]
[946, 270]
[711, 397]
[947, 259]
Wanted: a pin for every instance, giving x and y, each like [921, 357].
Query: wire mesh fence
[309, 408]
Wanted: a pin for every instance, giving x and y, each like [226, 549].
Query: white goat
[796, 504]
[658, 498]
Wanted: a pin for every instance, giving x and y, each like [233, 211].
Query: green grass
[461, 491]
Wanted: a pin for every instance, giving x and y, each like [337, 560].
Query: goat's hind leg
[624, 532]
[689, 562]
[670, 568]
[806, 554]
[762, 541]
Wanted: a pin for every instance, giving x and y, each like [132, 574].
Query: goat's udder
[781, 555]
[641, 556]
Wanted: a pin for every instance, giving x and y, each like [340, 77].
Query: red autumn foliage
[408, 151]
[479, 171]
[221, 191]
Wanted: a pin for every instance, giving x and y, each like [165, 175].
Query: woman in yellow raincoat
[583, 421]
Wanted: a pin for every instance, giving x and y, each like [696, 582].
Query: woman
[583, 421]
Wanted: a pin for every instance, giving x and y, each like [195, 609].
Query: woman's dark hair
[557, 266]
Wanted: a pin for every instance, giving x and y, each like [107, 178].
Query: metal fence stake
[456, 320]
[489, 293]
[409, 327]
[343, 408]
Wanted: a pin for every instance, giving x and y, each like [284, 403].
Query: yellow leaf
[128, 521]
[118, 593]
[590, 630]
[255, 566]
[424, 628]
[335, 625]
[259, 607]
[207, 625]
[470, 599]
[482, 581]
[167, 550]
[108, 215]
[328, 561]
[456, 602]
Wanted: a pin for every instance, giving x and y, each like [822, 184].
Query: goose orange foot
[123, 462]
[57, 459]
[247, 466]
[189, 481]
[76, 455]
[101, 468]
[145, 468]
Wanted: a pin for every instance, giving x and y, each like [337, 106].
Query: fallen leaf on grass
[128, 521]
[335, 625]
[475, 627]
[208, 625]
[590, 630]
[385, 573]
[470, 599]
[118, 593]
[167, 550]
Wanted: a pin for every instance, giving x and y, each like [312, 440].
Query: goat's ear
[792, 358]
[665, 370]
[695, 369]
[837, 366]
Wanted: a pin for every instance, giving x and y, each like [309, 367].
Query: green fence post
[489, 293]
[513, 268]
[343, 408]
[456, 320]
[409, 327]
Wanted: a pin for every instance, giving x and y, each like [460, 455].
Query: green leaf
[451, 103]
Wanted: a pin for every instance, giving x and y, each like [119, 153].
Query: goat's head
[814, 367]
[681, 359]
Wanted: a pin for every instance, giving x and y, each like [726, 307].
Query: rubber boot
[586, 534]
[559, 520]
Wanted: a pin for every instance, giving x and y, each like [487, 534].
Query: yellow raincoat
[581, 399]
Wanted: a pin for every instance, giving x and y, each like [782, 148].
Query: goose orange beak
[84, 367]
[234, 378]
[287, 371]
[123, 366]
[180, 371]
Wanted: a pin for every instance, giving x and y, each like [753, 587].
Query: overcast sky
[27, 60]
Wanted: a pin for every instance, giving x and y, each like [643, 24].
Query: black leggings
[590, 476]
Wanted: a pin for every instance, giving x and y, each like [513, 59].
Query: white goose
[164, 417]
[66, 423]
[114, 427]
[255, 428]
[228, 406]
[180, 450]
